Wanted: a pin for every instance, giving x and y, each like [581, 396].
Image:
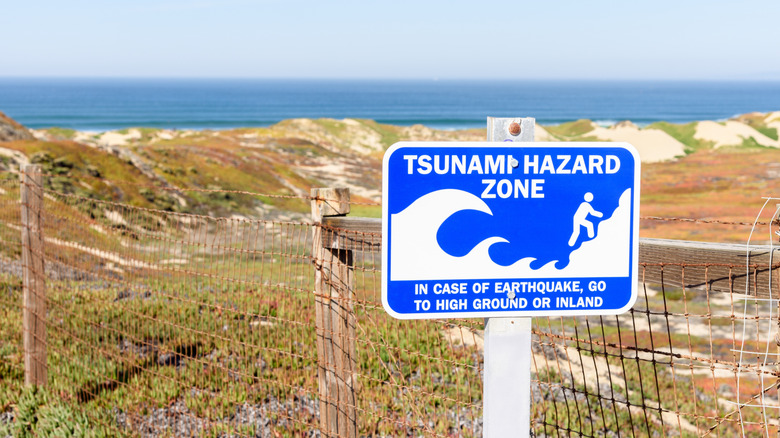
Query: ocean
[105, 104]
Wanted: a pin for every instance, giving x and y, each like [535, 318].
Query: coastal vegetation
[701, 170]
[210, 172]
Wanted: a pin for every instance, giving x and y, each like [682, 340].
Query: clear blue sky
[661, 39]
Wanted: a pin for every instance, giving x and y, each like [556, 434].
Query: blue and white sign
[478, 229]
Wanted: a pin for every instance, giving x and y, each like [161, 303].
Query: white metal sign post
[506, 384]
[507, 230]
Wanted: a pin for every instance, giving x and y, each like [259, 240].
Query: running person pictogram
[581, 219]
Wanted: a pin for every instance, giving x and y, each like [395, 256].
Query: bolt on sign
[476, 229]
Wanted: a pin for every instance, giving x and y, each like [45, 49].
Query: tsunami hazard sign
[475, 229]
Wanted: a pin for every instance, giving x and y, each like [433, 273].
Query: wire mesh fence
[11, 360]
[673, 365]
[162, 323]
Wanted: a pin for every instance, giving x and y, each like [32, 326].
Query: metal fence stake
[506, 399]
[334, 286]
[34, 284]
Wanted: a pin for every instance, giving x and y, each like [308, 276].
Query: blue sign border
[524, 302]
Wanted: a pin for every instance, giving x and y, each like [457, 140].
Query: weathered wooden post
[334, 286]
[34, 286]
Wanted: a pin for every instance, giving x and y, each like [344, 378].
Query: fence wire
[11, 358]
[170, 324]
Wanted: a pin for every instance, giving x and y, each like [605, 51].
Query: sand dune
[773, 116]
[541, 134]
[731, 133]
[366, 138]
[116, 138]
[653, 144]
[773, 120]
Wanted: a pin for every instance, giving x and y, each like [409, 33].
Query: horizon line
[399, 79]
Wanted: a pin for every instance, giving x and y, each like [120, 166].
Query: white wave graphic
[416, 255]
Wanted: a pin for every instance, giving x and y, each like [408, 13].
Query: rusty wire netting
[11, 364]
[170, 324]
[676, 364]
[162, 323]
[682, 362]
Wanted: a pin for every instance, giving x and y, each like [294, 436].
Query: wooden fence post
[34, 283]
[334, 286]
